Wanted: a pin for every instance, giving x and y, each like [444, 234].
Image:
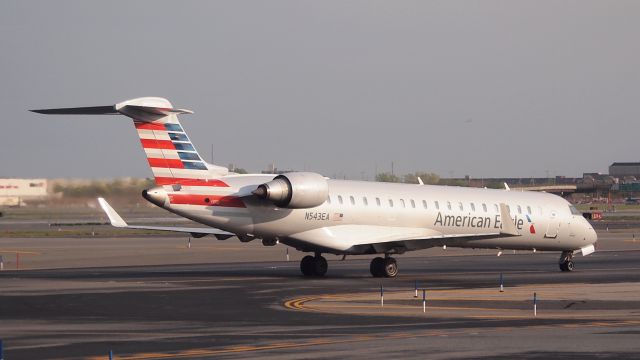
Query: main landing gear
[384, 267]
[566, 261]
[314, 265]
[317, 266]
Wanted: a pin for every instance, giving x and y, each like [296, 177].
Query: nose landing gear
[384, 267]
[566, 261]
[314, 265]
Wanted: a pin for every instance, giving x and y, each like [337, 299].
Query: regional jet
[318, 215]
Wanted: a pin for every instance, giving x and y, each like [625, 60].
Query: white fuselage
[358, 213]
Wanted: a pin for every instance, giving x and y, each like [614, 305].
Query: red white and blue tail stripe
[171, 155]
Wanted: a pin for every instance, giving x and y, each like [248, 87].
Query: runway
[267, 310]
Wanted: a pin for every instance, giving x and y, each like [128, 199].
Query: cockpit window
[574, 211]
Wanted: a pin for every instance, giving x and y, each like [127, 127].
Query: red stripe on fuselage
[157, 144]
[189, 182]
[166, 163]
[149, 126]
[206, 200]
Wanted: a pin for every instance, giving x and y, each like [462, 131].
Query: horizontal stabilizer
[144, 109]
[117, 221]
[90, 110]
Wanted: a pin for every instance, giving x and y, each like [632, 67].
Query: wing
[118, 222]
[370, 239]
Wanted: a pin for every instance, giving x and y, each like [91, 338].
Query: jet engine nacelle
[297, 190]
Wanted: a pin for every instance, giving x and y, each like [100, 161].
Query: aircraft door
[553, 226]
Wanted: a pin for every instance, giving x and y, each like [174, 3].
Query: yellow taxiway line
[19, 252]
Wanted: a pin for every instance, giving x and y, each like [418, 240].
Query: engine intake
[297, 190]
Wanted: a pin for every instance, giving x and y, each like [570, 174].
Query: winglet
[420, 181]
[506, 187]
[114, 218]
[508, 227]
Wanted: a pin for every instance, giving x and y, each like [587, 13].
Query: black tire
[377, 267]
[390, 267]
[320, 266]
[569, 265]
[307, 265]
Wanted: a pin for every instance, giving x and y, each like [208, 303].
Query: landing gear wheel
[384, 267]
[313, 266]
[377, 267]
[567, 266]
[390, 267]
[566, 261]
[320, 266]
[307, 265]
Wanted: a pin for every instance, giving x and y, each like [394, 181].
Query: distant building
[623, 170]
[598, 178]
[13, 192]
[272, 169]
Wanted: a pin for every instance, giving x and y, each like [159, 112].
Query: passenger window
[473, 207]
[402, 203]
[424, 204]
[340, 199]
[437, 205]
[519, 210]
[449, 205]
[365, 201]
[353, 201]
[529, 210]
[413, 204]
[378, 201]
[484, 207]
[390, 202]
[460, 206]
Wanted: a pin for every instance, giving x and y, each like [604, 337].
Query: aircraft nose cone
[156, 196]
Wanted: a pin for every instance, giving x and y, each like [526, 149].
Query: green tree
[387, 177]
[495, 185]
[453, 182]
[427, 178]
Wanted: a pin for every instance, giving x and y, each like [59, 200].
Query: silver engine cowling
[297, 190]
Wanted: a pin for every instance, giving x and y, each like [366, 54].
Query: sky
[343, 88]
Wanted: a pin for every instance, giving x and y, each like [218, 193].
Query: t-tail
[171, 155]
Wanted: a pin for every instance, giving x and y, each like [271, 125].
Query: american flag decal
[338, 216]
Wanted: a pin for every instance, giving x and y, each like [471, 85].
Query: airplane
[318, 215]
